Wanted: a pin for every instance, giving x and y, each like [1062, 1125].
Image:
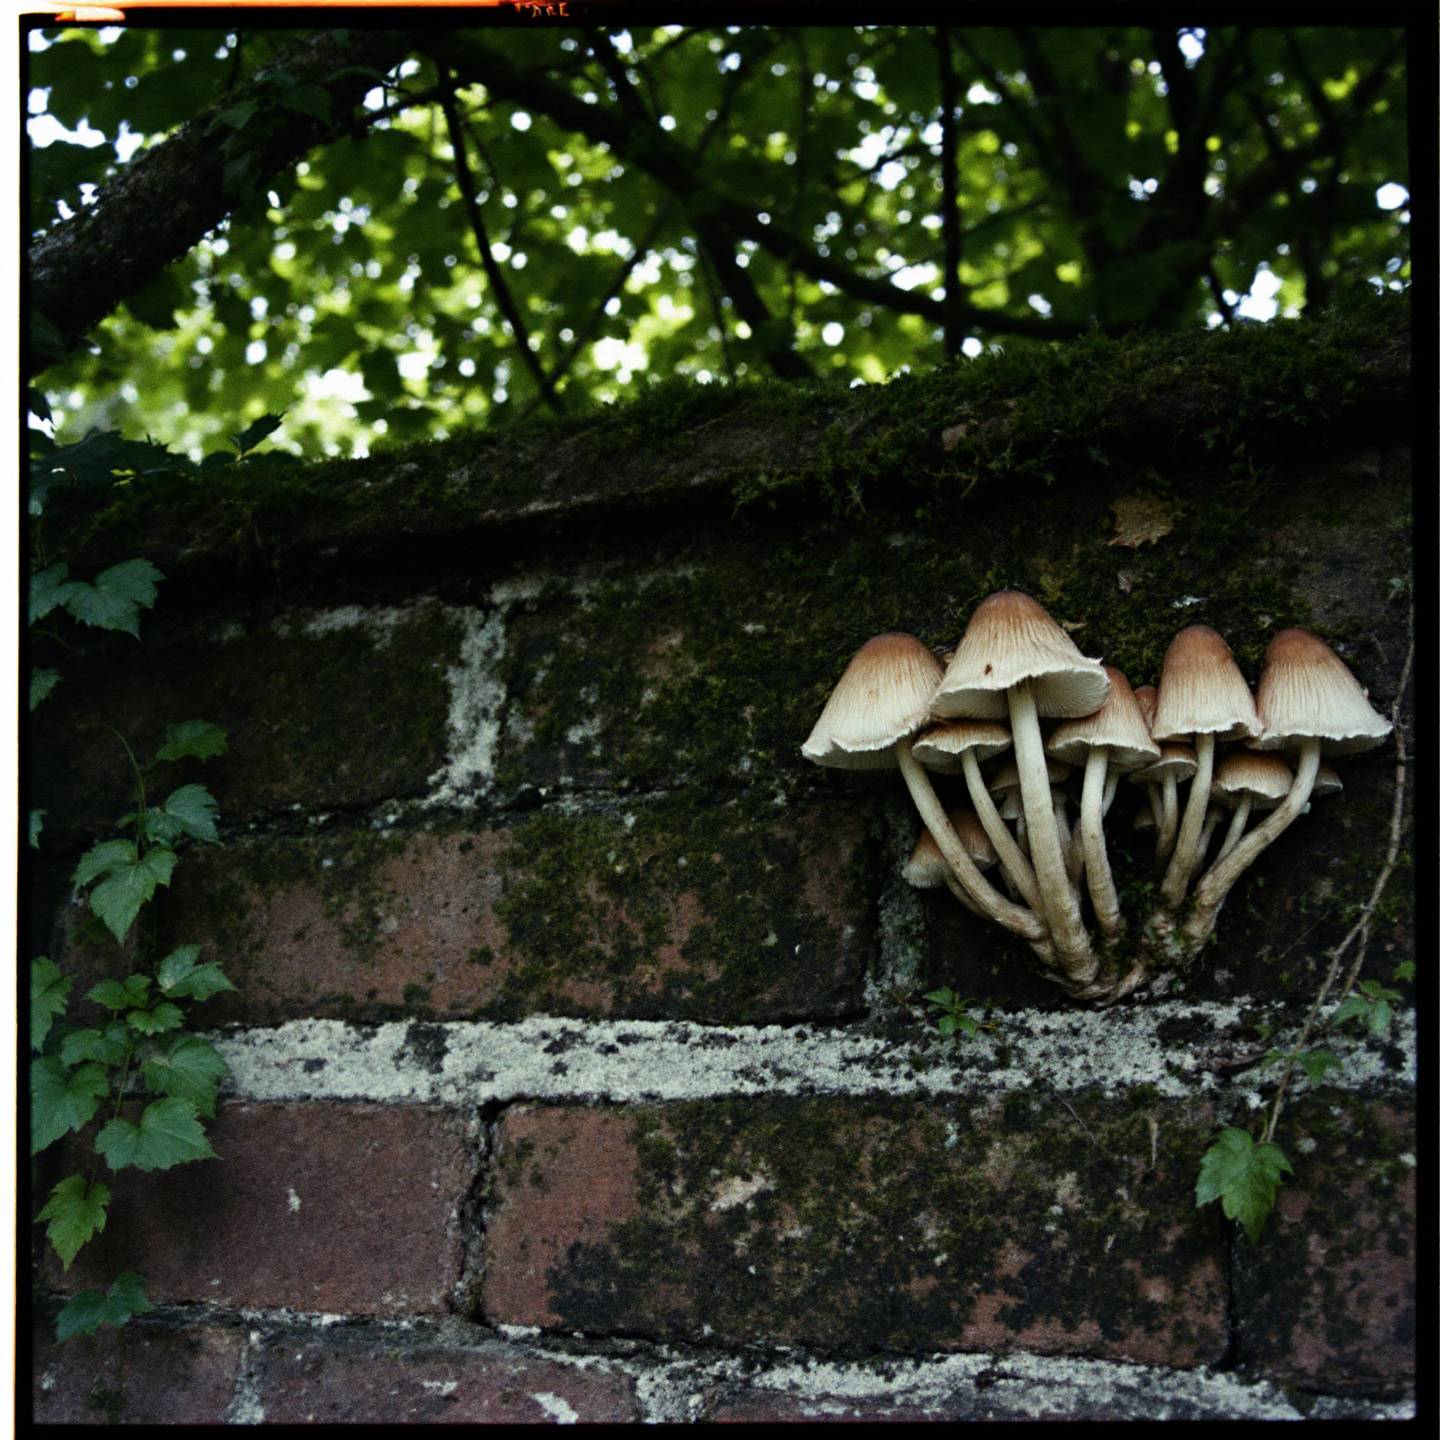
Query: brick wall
[579, 1064]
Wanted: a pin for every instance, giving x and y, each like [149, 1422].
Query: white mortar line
[545, 1058]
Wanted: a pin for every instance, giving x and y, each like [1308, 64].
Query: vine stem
[139, 790]
[1359, 933]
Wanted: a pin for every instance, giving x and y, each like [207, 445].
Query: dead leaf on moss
[1142, 520]
[954, 435]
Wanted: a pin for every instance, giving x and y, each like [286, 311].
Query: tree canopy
[398, 233]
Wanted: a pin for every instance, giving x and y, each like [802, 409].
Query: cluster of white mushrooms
[896, 705]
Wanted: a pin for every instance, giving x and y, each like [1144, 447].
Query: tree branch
[950, 216]
[503, 298]
[168, 198]
[670, 165]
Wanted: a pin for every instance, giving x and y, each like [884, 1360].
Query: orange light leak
[117, 14]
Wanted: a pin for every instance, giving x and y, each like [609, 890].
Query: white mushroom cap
[1327, 782]
[1176, 758]
[883, 697]
[1307, 692]
[1202, 691]
[1011, 638]
[941, 747]
[1117, 724]
[1266, 779]
[926, 869]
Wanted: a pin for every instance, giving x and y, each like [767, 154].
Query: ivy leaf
[62, 1099]
[191, 1069]
[49, 588]
[181, 978]
[76, 1214]
[163, 1017]
[107, 1046]
[117, 899]
[169, 1133]
[193, 809]
[1243, 1176]
[132, 995]
[49, 994]
[192, 737]
[101, 859]
[86, 1312]
[115, 600]
[42, 682]
[1317, 1063]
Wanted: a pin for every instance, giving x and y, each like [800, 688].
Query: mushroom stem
[1167, 817]
[1215, 884]
[1012, 858]
[1112, 784]
[958, 891]
[1060, 906]
[1237, 827]
[1186, 856]
[1092, 840]
[1202, 848]
[932, 814]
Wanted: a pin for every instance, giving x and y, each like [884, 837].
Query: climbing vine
[83, 1072]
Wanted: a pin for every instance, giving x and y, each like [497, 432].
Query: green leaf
[1317, 1063]
[48, 588]
[254, 433]
[196, 738]
[37, 823]
[193, 809]
[49, 994]
[115, 600]
[1380, 1019]
[237, 117]
[1405, 970]
[101, 859]
[1243, 1176]
[169, 1133]
[163, 1017]
[117, 899]
[944, 996]
[62, 1099]
[182, 978]
[45, 339]
[42, 682]
[1351, 1007]
[190, 1069]
[108, 1047]
[86, 1312]
[75, 1214]
[133, 994]
[947, 1025]
[311, 99]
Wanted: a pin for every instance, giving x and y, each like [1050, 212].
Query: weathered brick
[1327, 1297]
[762, 1407]
[322, 709]
[335, 1208]
[902, 1225]
[137, 1375]
[676, 910]
[367, 1379]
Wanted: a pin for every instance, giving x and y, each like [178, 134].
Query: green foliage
[197, 738]
[1095, 201]
[1243, 1177]
[42, 682]
[1371, 1006]
[81, 1068]
[76, 1213]
[169, 1133]
[86, 1312]
[954, 1016]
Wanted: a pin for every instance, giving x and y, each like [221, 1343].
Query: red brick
[888, 1224]
[372, 1382]
[1326, 1298]
[589, 916]
[137, 1375]
[347, 1208]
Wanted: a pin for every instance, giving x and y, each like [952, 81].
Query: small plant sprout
[896, 706]
[954, 1017]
